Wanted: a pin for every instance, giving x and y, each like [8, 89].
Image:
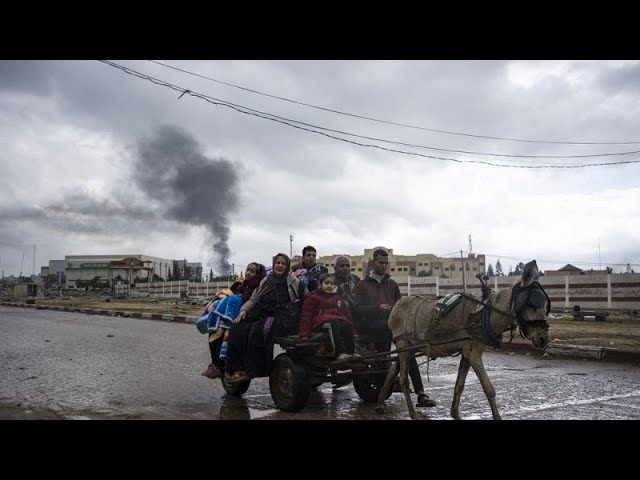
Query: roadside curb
[110, 313]
[574, 351]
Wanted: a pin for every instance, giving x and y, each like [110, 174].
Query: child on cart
[325, 305]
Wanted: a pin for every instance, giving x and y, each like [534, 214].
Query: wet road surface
[58, 365]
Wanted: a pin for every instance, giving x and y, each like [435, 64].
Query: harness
[532, 295]
[492, 339]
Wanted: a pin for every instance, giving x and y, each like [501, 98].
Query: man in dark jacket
[345, 280]
[375, 297]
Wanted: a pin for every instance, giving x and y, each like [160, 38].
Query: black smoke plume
[192, 188]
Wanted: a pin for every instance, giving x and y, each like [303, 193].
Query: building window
[393, 269]
[353, 269]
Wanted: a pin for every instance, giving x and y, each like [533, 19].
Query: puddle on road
[255, 414]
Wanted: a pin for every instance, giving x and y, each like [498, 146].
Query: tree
[169, 276]
[210, 274]
[499, 272]
[510, 271]
[490, 270]
[519, 269]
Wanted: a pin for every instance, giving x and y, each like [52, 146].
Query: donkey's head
[530, 305]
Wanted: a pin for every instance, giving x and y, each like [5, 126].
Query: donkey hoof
[380, 410]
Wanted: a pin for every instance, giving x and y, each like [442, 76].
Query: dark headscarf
[249, 285]
[287, 266]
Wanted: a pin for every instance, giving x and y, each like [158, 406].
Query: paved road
[76, 366]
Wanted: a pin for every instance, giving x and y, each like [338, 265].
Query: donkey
[472, 325]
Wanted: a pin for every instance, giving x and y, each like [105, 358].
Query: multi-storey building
[421, 264]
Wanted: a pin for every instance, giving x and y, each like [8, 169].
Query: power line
[573, 262]
[385, 121]
[427, 147]
[275, 118]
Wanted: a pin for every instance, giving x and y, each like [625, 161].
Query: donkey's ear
[530, 272]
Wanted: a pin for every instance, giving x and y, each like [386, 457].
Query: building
[56, 268]
[111, 268]
[23, 290]
[184, 270]
[194, 271]
[421, 264]
[569, 269]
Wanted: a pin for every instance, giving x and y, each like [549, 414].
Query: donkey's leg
[404, 358]
[463, 370]
[386, 388]
[489, 391]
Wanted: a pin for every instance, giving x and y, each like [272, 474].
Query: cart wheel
[289, 384]
[234, 390]
[368, 386]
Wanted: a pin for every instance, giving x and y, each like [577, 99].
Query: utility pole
[599, 259]
[290, 246]
[21, 263]
[34, 260]
[464, 282]
[470, 247]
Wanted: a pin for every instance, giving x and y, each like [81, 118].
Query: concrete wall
[617, 291]
[614, 291]
[178, 287]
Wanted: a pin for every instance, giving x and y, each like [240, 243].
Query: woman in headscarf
[251, 341]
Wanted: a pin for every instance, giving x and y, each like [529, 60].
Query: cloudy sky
[98, 160]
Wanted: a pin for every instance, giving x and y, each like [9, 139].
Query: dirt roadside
[188, 307]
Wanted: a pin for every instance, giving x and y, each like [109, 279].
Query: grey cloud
[624, 79]
[81, 214]
[26, 76]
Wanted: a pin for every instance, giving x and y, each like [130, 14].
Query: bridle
[533, 295]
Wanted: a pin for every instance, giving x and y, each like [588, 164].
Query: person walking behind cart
[375, 297]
